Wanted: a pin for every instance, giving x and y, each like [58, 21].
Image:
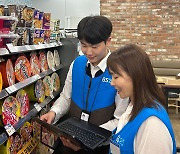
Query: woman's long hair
[136, 63]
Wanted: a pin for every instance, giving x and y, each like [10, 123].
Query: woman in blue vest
[87, 93]
[144, 128]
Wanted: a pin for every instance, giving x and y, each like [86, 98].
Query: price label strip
[53, 69]
[52, 96]
[11, 89]
[10, 129]
[28, 47]
[29, 147]
[37, 107]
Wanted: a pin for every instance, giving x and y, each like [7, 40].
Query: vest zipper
[88, 93]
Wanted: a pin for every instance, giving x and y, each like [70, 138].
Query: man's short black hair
[94, 29]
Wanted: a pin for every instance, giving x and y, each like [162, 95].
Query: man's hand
[69, 144]
[48, 117]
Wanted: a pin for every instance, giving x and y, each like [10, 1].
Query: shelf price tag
[36, 77]
[37, 107]
[52, 96]
[10, 129]
[53, 69]
[11, 89]
[28, 47]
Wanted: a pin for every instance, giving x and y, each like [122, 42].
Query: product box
[27, 16]
[47, 35]
[1, 10]
[21, 21]
[7, 26]
[38, 19]
[12, 9]
[38, 36]
[46, 20]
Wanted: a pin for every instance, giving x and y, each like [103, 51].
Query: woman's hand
[69, 144]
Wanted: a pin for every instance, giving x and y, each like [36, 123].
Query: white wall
[17, 2]
[68, 11]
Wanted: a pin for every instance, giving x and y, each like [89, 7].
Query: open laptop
[80, 132]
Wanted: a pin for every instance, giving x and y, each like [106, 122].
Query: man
[87, 93]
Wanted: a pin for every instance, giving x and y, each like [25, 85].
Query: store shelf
[32, 113]
[3, 137]
[3, 94]
[9, 35]
[30, 80]
[22, 84]
[43, 74]
[8, 18]
[27, 48]
[3, 51]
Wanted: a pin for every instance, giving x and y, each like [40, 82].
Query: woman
[145, 127]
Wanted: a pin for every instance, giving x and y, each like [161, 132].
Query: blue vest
[100, 95]
[125, 138]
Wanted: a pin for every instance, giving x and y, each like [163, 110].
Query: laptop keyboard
[88, 138]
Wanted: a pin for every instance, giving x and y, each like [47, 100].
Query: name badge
[114, 149]
[84, 116]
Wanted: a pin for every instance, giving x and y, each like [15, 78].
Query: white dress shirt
[62, 104]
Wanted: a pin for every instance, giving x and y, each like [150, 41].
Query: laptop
[81, 133]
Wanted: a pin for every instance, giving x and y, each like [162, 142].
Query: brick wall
[152, 24]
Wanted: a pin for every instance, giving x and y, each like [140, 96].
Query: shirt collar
[102, 65]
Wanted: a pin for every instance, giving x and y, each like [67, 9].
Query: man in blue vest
[87, 93]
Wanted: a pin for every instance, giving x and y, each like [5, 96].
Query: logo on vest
[120, 140]
[106, 80]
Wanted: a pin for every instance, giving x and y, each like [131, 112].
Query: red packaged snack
[11, 111]
[1, 82]
[7, 70]
[22, 68]
[35, 66]
[23, 99]
[43, 62]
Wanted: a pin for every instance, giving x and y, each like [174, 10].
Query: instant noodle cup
[22, 68]
[1, 82]
[26, 132]
[40, 91]
[23, 99]
[14, 144]
[55, 81]
[35, 66]
[56, 58]
[36, 91]
[30, 91]
[1, 123]
[48, 85]
[7, 70]
[43, 62]
[50, 60]
[11, 111]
